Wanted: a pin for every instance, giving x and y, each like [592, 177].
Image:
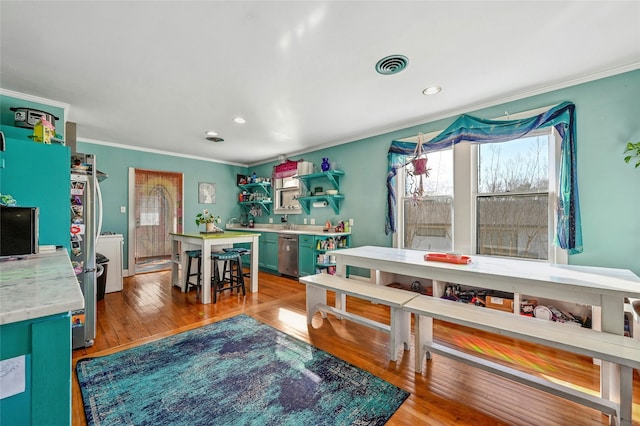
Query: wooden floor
[447, 393]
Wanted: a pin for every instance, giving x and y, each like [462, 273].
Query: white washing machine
[111, 245]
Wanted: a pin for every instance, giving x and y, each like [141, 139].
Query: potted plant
[633, 149]
[209, 220]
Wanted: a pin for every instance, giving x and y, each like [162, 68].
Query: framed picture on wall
[206, 193]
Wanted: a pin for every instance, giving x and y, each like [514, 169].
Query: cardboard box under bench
[499, 303]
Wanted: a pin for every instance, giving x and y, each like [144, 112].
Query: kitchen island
[37, 295]
[181, 243]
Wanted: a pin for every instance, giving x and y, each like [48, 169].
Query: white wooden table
[181, 243]
[602, 288]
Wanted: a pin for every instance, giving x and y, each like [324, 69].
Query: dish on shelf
[444, 257]
[331, 192]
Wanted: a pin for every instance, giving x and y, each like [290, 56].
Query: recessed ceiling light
[432, 90]
[211, 133]
[239, 120]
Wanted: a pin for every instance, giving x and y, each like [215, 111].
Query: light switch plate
[123, 209]
[313, 221]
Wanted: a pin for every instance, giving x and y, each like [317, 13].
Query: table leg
[253, 267]
[205, 295]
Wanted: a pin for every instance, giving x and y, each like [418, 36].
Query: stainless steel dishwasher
[288, 254]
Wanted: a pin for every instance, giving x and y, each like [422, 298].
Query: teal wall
[608, 116]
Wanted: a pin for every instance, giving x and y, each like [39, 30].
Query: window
[512, 203]
[428, 220]
[504, 200]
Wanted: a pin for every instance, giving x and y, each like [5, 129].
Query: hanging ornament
[420, 170]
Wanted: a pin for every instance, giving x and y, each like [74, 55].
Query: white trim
[156, 151]
[38, 100]
[131, 254]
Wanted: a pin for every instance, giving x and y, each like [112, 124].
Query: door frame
[131, 226]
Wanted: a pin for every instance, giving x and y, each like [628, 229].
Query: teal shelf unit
[311, 246]
[335, 201]
[262, 190]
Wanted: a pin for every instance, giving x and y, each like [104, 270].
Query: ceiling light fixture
[433, 90]
[211, 133]
[239, 120]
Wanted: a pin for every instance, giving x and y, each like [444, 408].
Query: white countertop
[280, 229]
[38, 286]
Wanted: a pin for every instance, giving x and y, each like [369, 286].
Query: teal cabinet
[45, 344]
[306, 255]
[268, 251]
[37, 175]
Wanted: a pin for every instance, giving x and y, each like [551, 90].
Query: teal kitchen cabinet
[268, 251]
[306, 255]
[39, 293]
[37, 175]
[45, 345]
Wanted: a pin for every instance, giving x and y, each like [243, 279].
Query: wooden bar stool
[242, 252]
[193, 255]
[232, 273]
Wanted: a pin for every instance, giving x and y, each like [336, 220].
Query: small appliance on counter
[19, 230]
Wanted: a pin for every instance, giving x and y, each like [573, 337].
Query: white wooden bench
[620, 354]
[400, 328]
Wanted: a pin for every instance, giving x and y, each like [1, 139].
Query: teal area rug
[234, 372]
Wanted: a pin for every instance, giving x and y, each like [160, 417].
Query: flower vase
[210, 227]
[325, 166]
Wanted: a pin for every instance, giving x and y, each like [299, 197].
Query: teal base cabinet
[306, 255]
[268, 251]
[45, 344]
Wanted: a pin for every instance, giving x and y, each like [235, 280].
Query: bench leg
[400, 333]
[423, 335]
[620, 391]
[315, 296]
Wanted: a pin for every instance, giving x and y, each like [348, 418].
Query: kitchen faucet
[283, 219]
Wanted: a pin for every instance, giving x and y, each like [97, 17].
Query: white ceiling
[157, 75]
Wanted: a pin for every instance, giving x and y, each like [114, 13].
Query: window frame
[465, 182]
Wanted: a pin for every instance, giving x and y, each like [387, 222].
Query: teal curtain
[478, 130]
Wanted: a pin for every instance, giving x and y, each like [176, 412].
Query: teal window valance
[478, 130]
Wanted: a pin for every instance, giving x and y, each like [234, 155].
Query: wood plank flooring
[447, 393]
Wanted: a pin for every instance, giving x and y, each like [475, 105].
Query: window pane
[521, 165]
[440, 180]
[427, 224]
[513, 225]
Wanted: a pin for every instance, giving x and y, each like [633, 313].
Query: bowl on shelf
[332, 192]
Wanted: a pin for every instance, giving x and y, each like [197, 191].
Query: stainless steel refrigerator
[85, 227]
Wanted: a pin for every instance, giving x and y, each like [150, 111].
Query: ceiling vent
[215, 139]
[392, 64]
